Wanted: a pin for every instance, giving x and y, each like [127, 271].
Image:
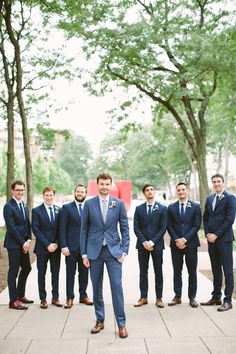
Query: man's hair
[104, 176]
[80, 185]
[218, 175]
[21, 183]
[49, 189]
[146, 186]
[180, 183]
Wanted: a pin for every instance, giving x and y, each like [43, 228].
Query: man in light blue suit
[101, 243]
[218, 219]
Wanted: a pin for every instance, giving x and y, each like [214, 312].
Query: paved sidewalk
[179, 329]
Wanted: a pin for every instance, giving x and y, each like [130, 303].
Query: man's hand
[26, 246]
[65, 251]
[211, 238]
[86, 262]
[180, 243]
[121, 259]
[148, 246]
[52, 247]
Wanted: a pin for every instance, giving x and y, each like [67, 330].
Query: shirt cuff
[151, 243]
[84, 256]
[65, 249]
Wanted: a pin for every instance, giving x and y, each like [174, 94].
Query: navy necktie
[52, 218]
[149, 210]
[80, 210]
[182, 212]
[22, 210]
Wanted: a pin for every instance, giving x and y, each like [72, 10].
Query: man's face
[80, 194]
[182, 192]
[217, 184]
[104, 186]
[18, 191]
[149, 193]
[48, 197]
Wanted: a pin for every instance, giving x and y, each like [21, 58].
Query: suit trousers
[72, 261]
[42, 261]
[17, 259]
[190, 255]
[114, 269]
[157, 259]
[221, 256]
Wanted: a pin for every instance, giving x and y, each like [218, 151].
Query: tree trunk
[10, 145]
[226, 153]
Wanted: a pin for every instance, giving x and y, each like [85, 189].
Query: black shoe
[212, 302]
[175, 301]
[226, 306]
[193, 303]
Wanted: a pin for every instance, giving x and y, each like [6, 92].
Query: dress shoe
[159, 303]
[142, 301]
[97, 328]
[226, 306]
[17, 305]
[193, 303]
[68, 304]
[123, 332]
[212, 302]
[86, 301]
[176, 301]
[24, 300]
[56, 303]
[43, 304]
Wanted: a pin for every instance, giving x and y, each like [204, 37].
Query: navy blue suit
[18, 231]
[150, 228]
[93, 233]
[69, 233]
[219, 222]
[46, 233]
[188, 228]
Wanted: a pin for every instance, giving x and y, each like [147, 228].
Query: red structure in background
[119, 189]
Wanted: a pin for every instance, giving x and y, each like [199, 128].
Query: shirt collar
[18, 201]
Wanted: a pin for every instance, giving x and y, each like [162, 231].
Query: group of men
[86, 233]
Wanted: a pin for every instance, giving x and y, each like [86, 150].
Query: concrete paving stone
[8, 320]
[225, 321]
[145, 321]
[14, 346]
[184, 321]
[54, 346]
[175, 346]
[117, 346]
[82, 318]
[216, 345]
[38, 323]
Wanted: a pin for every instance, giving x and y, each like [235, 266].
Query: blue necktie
[22, 210]
[149, 210]
[80, 210]
[182, 212]
[51, 215]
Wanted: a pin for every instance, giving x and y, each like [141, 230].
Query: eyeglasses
[19, 190]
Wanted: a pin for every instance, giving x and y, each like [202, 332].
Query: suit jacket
[70, 225]
[94, 230]
[220, 221]
[150, 228]
[18, 229]
[44, 231]
[188, 228]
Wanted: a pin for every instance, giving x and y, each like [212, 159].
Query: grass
[2, 234]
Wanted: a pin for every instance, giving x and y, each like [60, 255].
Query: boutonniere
[222, 196]
[56, 210]
[113, 204]
[189, 205]
[156, 207]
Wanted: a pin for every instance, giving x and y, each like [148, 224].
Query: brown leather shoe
[142, 301]
[86, 301]
[68, 304]
[56, 303]
[159, 303]
[212, 302]
[24, 300]
[17, 305]
[193, 303]
[176, 301]
[97, 328]
[123, 332]
[43, 304]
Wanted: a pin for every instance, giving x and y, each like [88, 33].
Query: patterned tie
[182, 212]
[104, 209]
[22, 210]
[52, 218]
[80, 210]
[149, 210]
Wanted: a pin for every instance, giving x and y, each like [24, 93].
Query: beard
[80, 199]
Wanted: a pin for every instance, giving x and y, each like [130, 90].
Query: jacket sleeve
[124, 228]
[170, 225]
[195, 226]
[37, 229]
[229, 217]
[137, 228]
[9, 217]
[163, 225]
[84, 230]
[63, 227]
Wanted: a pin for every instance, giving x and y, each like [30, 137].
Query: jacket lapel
[75, 212]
